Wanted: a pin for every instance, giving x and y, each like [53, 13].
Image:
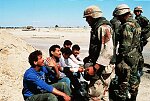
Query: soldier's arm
[144, 21]
[127, 38]
[106, 52]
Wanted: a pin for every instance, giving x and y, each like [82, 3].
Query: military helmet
[138, 8]
[122, 9]
[92, 11]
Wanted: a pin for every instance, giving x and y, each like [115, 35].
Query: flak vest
[95, 41]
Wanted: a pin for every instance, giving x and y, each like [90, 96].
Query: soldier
[115, 26]
[145, 27]
[144, 23]
[97, 65]
[128, 55]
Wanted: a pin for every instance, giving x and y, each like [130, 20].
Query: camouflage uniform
[144, 23]
[100, 51]
[128, 57]
[145, 34]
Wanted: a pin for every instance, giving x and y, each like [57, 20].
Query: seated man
[66, 53]
[56, 69]
[75, 55]
[61, 69]
[75, 70]
[67, 43]
[35, 87]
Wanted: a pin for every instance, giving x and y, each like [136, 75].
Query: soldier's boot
[123, 92]
[133, 98]
[141, 65]
[145, 42]
[134, 92]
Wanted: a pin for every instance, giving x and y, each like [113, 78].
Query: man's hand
[80, 69]
[96, 66]
[59, 93]
[56, 67]
[59, 67]
[90, 70]
[51, 62]
[67, 98]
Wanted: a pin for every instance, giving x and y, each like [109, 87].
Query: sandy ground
[42, 39]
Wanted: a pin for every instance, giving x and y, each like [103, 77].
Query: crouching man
[98, 89]
[35, 87]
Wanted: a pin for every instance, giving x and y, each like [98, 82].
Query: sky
[64, 13]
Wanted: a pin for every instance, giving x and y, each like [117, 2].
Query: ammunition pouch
[132, 58]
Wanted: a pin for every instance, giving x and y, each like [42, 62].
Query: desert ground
[16, 45]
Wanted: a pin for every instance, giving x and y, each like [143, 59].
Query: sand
[16, 45]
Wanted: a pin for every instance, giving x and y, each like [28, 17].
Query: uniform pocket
[132, 58]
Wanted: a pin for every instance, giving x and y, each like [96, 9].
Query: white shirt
[75, 59]
[69, 63]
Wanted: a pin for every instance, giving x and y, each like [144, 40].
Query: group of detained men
[56, 77]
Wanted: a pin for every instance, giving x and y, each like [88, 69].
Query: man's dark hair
[67, 42]
[75, 47]
[34, 57]
[66, 51]
[53, 48]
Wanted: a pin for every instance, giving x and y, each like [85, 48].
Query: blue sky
[46, 13]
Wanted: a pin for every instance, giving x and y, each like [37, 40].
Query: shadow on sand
[148, 67]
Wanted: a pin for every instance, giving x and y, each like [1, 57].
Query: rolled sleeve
[106, 52]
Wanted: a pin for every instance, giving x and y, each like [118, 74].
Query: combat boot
[133, 98]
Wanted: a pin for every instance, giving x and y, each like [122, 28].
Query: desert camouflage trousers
[99, 90]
